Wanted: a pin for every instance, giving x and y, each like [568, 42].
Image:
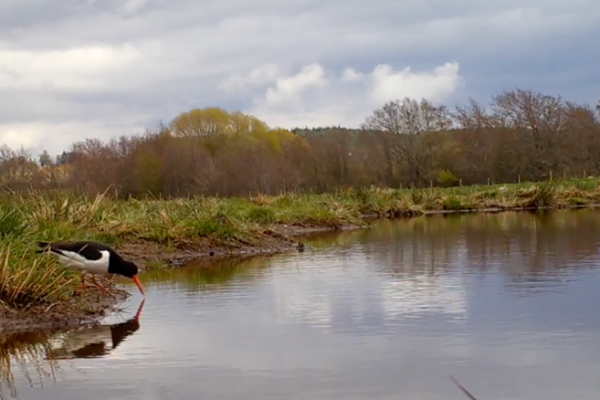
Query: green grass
[27, 279]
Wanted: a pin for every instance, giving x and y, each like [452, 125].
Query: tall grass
[26, 282]
[25, 218]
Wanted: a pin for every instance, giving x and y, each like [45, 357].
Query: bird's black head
[128, 269]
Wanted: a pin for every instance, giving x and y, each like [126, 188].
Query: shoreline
[278, 240]
[261, 238]
[282, 237]
[62, 316]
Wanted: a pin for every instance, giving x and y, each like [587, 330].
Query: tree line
[519, 135]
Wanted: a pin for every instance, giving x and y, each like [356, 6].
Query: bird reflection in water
[93, 342]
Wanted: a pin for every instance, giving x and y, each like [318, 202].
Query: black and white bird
[92, 258]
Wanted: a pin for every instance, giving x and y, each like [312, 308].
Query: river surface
[508, 304]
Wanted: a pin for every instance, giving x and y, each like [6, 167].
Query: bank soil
[282, 238]
[83, 308]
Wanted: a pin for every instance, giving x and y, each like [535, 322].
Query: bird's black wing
[86, 249]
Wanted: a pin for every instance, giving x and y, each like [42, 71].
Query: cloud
[60, 135]
[114, 67]
[314, 97]
[78, 69]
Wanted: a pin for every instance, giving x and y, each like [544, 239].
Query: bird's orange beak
[139, 285]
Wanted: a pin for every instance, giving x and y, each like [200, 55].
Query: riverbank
[155, 233]
[279, 222]
[68, 313]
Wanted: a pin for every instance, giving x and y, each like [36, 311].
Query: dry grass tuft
[25, 283]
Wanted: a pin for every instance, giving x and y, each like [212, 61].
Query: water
[507, 303]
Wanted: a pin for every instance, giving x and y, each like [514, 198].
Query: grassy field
[29, 280]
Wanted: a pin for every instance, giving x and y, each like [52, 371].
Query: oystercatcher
[92, 258]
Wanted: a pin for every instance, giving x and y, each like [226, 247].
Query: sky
[78, 69]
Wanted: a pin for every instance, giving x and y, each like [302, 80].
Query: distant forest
[519, 135]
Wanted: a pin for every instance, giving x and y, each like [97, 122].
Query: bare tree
[541, 120]
[406, 121]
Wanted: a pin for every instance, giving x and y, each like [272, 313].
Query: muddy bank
[83, 308]
[282, 238]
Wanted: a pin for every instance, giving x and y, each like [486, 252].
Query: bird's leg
[108, 280]
[99, 286]
[83, 281]
[83, 285]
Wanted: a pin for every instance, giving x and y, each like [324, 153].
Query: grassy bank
[156, 231]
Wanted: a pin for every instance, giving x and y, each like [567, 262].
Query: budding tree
[213, 121]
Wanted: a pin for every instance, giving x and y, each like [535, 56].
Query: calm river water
[508, 304]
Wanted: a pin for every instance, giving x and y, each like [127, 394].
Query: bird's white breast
[74, 260]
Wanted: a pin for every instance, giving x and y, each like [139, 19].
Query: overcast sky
[74, 69]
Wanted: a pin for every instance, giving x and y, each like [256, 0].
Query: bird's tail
[45, 246]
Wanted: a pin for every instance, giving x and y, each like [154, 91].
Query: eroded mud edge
[82, 309]
[282, 239]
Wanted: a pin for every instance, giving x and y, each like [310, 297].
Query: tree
[476, 135]
[201, 122]
[64, 158]
[406, 121]
[214, 121]
[45, 160]
[540, 120]
[17, 167]
[525, 109]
